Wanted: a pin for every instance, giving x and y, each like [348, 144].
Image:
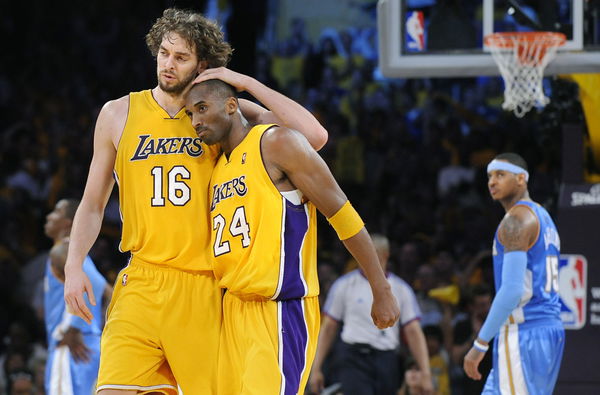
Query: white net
[522, 58]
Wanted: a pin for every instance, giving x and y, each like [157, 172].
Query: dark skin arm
[74, 340]
[293, 164]
[518, 231]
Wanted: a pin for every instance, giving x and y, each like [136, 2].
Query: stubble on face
[179, 87]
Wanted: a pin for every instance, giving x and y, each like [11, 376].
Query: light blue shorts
[526, 359]
[65, 376]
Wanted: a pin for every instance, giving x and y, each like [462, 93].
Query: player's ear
[231, 105]
[202, 65]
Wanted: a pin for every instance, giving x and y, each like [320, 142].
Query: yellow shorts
[162, 329]
[267, 347]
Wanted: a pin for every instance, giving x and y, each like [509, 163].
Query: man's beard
[177, 88]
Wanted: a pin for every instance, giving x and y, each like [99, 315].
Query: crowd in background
[410, 154]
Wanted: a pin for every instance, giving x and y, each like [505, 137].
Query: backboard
[444, 38]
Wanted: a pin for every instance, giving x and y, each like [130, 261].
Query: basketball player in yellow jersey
[164, 319]
[264, 245]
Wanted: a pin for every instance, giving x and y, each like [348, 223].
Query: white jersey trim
[61, 382]
[510, 369]
[294, 197]
[281, 251]
[135, 387]
[280, 347]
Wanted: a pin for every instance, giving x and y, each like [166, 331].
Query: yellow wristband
[346, 221]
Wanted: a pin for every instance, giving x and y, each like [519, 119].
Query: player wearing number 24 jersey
[525, 315]
[263, 194]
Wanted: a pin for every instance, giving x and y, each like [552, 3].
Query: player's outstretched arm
[88, 218]
[288, 152]
[517, 232]
[280, 109]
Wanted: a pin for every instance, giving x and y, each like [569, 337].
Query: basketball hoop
[522, 58]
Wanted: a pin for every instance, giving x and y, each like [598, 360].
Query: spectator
[412, 384]
[479, 300]
[21, 383]
[438, 359]
[431, 308]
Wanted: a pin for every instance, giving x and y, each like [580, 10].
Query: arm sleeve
[509, 294]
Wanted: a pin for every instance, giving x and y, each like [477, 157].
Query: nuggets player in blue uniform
[524, 319]
[265, 189]
[73, 345]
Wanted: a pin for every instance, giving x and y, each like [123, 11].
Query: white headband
[502, 165]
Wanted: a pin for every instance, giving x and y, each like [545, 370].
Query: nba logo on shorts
[415, 31]
[572, 286]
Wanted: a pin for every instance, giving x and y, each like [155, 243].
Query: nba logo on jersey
[572, 285]
[415, 31]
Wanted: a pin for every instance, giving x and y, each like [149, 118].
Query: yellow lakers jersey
[264, 245]
[163, 171]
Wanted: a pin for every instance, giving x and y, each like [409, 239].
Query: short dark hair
[513, 158]
[202, 34]
[434, 331]
[219, 88]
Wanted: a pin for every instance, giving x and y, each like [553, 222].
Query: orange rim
[510, 39]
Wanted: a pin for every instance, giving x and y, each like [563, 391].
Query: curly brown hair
[200, 33]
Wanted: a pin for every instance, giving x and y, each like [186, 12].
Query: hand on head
[237, 80]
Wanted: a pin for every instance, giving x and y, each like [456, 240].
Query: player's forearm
[290, 113]
[362, 250]
[85, 230]
[508, 296]
[418, 346]
[459, 351]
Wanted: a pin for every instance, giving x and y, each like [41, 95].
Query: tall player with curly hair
[164, 320]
